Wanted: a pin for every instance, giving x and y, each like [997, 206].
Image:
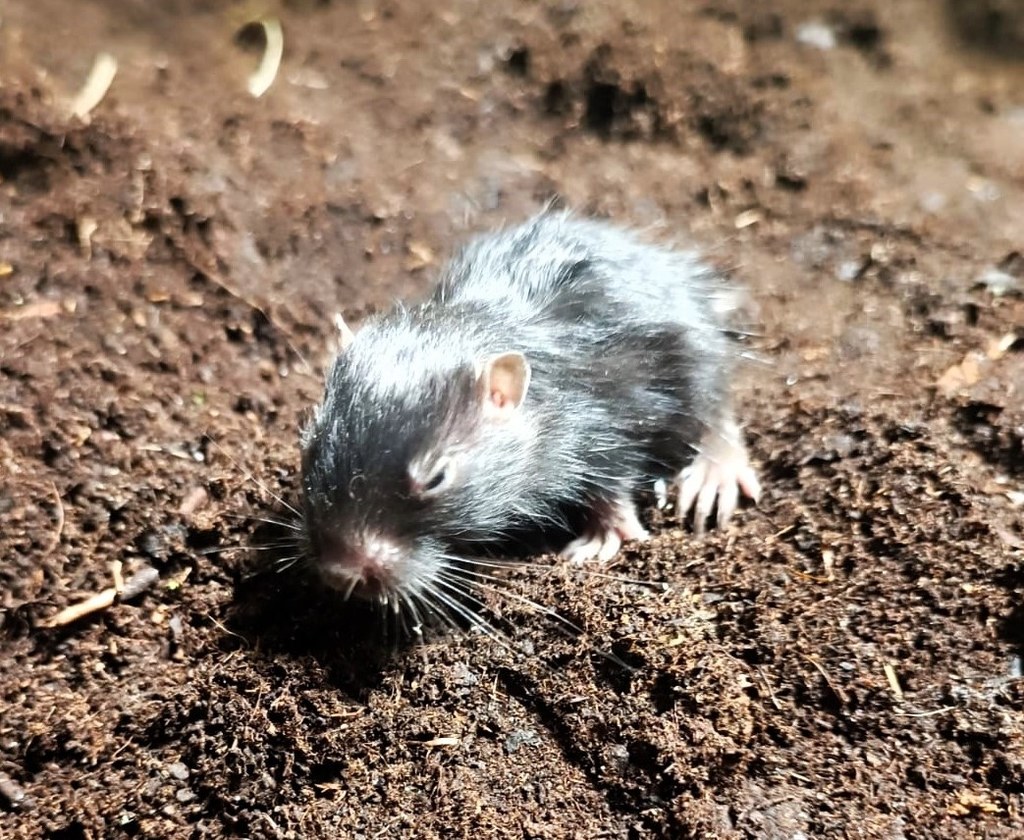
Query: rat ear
[502, 382]
[345, 334]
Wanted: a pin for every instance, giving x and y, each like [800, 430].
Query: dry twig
[97, 83]
[836, 690]
[132, 588]
[263, 78]
[894, 681]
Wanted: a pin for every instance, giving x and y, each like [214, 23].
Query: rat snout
[364, 565]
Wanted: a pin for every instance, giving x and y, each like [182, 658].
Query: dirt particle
[518, 61]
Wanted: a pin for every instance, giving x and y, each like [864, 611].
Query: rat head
[398, 461]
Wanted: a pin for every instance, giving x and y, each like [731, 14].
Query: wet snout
[364, 565]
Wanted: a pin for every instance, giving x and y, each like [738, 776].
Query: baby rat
[558, 369]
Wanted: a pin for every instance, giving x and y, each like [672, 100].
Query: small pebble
[12, 793]
[178, 771]
[617, 757]
[849, 270]
[520, 738]
[999, 283]
[816, 34]
[194, 500]
[933, 202]
[177, 629]
[152, 545]
[1016, 667]
[464, 676]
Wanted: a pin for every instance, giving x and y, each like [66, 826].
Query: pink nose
[362, 566]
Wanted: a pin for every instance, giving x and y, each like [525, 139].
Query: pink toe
[750, 483]
[612, 544]
[705, 504]
[690, 482]
[728, 498]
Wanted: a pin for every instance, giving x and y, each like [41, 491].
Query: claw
[582, 549]
[604, 538]
[717, 475]
[661, 493]
[689, 483]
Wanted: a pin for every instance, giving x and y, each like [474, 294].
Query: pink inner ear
[504, 381]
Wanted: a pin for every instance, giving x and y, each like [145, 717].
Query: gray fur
[630, 366]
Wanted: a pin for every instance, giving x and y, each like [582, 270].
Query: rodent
[559, 368]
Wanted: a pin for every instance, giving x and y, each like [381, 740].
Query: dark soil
[845, 661]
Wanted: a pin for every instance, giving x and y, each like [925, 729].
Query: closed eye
[436, 480]
[440, 477]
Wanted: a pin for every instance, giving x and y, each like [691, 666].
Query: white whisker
[282, 523]
[410, 606]
[459, 586]
[436, 611]
[249, 476]
[474, 620]
[452, 575]
[463, 562]
[205, 552]
[353, 583]
[283, 564]
[496, 564]
[533, 605]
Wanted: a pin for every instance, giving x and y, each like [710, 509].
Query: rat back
[624, 331]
